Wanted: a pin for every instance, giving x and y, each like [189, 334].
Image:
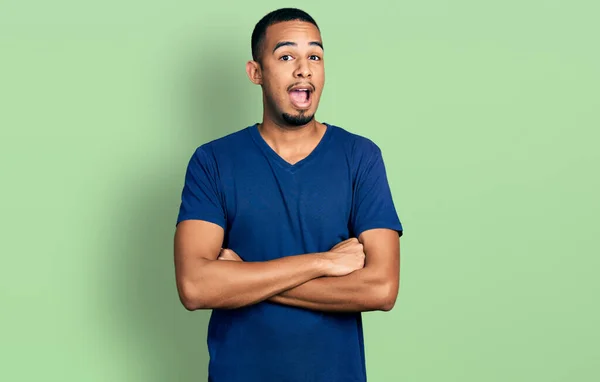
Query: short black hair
[274, 17]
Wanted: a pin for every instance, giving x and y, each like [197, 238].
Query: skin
[359, 274]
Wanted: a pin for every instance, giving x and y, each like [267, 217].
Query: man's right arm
[204, 282]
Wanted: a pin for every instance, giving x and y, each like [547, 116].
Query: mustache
[307, 84]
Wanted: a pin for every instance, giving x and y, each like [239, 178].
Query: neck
[279, 134]
[292, 142]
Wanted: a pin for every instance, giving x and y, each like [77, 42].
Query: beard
[297, 120]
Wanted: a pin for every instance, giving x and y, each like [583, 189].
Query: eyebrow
[289, 43]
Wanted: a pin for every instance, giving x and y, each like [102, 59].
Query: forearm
[231, 284]
[362, 290]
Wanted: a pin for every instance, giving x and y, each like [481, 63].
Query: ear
[254, 72]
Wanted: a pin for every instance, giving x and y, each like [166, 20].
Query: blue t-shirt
[270, 208]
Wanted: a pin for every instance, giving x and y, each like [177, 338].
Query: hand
[345, 257]
[346, 243]
[228, 254]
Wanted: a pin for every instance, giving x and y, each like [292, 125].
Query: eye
[283, 58]
[315, 57]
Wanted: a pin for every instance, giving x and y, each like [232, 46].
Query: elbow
[190, 304]
[386, 296]
[387, 305]
[194, 297]
[190, 298]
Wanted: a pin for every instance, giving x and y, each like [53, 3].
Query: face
[291, 72]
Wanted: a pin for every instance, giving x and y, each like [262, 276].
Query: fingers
[228, 254]
[345, 243]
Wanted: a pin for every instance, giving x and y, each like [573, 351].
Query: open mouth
[301, 97]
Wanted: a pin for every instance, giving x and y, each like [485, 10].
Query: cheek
[275, 87]
[319, 80]
[276, 94]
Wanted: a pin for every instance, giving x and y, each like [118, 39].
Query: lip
[308, 87]
[302, 105]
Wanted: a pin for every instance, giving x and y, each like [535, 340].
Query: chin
[297, 119]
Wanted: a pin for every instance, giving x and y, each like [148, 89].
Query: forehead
[294, 31]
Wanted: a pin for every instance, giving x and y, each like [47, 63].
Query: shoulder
[224, 147]
[357, 147]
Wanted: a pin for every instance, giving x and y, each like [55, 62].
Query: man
[287, 229]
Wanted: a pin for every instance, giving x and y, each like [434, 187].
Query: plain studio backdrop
[487, 114]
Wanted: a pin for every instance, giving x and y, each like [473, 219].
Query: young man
[287, 229]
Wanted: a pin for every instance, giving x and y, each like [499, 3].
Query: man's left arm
[374, 287]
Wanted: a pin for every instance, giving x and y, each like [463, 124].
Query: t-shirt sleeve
[372, 203]
[202, 197]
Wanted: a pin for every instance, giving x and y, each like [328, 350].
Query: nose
[303, 69]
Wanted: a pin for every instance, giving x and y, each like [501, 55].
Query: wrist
[323, 263]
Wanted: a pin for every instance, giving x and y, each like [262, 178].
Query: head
[287, 62]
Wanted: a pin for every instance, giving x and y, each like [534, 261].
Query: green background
[487, 116]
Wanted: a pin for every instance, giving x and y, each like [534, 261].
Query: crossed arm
[373, 287]
[310, 281]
